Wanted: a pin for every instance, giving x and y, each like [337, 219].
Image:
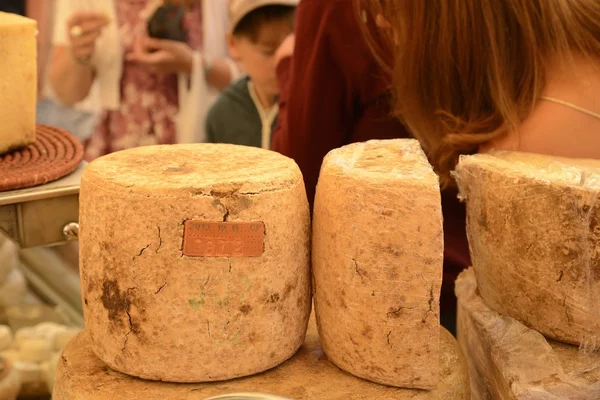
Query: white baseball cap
[238, 9]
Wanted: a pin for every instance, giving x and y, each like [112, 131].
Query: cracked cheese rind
[158, 314]
[18, 81]
[308, 375]
[533, 224]
[377, 262]
[507, 360]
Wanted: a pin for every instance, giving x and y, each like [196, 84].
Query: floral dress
[149, 100]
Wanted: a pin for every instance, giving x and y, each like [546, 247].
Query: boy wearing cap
[246, 111]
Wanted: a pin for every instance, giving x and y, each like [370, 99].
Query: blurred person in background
[151, 91]
[246, 111]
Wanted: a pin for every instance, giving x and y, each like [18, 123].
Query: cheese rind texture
[308, 375]
[377, 262]
[507, 360]
[533, 224]
[155, 313]
[18, 81]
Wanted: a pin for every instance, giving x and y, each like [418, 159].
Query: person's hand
[164, 56]
[83, 29]
[286, 48]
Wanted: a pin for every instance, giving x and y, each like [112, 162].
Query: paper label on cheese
[223, 239]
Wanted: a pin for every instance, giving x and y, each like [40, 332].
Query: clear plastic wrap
[533, 224]
[507, 360]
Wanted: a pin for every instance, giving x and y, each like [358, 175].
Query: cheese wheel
[10, 382]
[13, 289]
[6, 337]
[507, 360]
[194, 260]
[35, 350]
[377, 262]
[18, 70]
[308, 375]
[533, 224]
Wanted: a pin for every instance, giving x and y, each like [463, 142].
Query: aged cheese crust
[158, 314]
[18, 69]
[533, 224]
[306, 376]
[507, 360]
[377, 262]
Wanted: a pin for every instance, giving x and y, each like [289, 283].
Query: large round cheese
[194, 260]
[507, 360]
[533, 224]
[308, 375]
[377, 262]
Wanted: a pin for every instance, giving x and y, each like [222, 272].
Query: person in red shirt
[333, 92]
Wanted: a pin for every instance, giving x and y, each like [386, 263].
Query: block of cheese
[507, 360]
[18, 81]
[377, 262]
[533, 224]
[194, 260]
[308, 375]
[10, 382]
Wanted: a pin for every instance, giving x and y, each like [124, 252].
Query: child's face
[258, 57]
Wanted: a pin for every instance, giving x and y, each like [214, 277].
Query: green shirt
[238, 118]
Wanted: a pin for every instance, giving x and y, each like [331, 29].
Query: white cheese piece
[166, 295]
[6, 337]
[377, 262]
[308, 375]
[49, 371]
[9, 257]
[13, 289]
[507, 360]
[32, 380]
[533, 224]
[10, 384]
[11, 355]
[35, 350]
[24, 334]
[31, 373]
[18, 81]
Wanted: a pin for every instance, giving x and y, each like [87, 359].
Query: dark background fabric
[13, 6]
